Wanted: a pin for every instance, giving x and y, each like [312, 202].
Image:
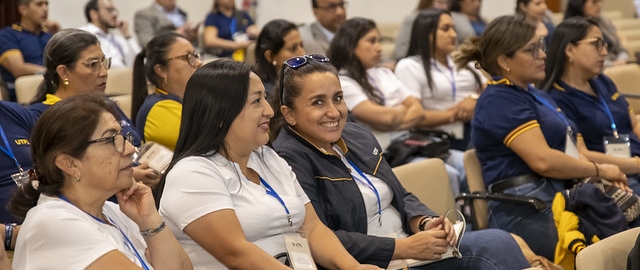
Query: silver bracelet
[154, 231]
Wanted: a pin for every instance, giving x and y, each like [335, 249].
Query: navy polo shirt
[227, 26]
[39, 108]
[502, 113]
[590, 116]
[13, 40]
[16, 122]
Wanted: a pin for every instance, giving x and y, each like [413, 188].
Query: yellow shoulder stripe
[519, 130]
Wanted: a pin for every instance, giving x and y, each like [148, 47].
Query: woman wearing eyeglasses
[75, 65]
[82, 157]
[228, 198]
[590, 99]
[166, 62]
[617, 54]
[354, 190]
[525, 144]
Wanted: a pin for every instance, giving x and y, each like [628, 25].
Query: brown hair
[62, 129]
[503, 36]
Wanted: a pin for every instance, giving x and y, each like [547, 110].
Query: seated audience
[375, 96]
[430, 75]
[167, 62]
[22, 44]
[525, 144]
[535, 11]
[466, 17]
[228, 30]
[278, 41]
[76, 65]
[374, 217]
[617, 55]
[227, 197]
[162, 16]
[329, 14]
[81, 158]
[102, 16]
[590, 99]
[404, 33]
[16, 123]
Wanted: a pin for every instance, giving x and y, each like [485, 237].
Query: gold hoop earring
[65, 82]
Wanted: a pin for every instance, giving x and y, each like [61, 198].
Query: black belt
[512, 182]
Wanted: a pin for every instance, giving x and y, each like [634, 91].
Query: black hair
[62, 129]
[155, 53]
[518, 2]
[574, 8]
[91, 5]
[271, 38]
[343, 57]
[570, 31]
[314, 3]
[290, 82]
[214, 96]
[423, 38]
[64, 48]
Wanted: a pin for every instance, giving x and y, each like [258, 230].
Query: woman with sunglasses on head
[617, 55]
[166, 62]
[356, 193]
[228, 198]
[75, 65]
[278, 41]
[430, 74]
[82, 157]
[376, 97]
[590, 99]
[525, 144]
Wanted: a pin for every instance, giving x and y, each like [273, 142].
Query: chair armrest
[502, 197]
[630, 95]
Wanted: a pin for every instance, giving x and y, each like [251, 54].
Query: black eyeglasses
[298, 61]
[334, 7]
[119, 141]
[190, 57]
[95, 64]
[597, 42]
[536, 48]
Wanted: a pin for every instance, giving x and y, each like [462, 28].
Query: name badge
[617, 146]
[299, 253]
[21, 177]
[570, 146]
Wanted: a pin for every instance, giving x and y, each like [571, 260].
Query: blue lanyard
[453, 79]
[128, 243]
[8, 149]
[233, 26]
[274, 194]
[604, 106]
[548, 105]
[369, 185]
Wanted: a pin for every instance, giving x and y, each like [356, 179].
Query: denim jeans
[536, 227]
[489, 249]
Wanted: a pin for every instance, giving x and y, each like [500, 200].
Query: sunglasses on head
[299, 61]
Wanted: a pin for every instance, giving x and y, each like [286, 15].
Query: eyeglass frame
[314, 56]
[104, 63]
[535, 49]
[595, 41]
[190, 55]
[128, 137]
[333, 7]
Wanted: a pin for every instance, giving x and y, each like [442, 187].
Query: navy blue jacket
[336, 198]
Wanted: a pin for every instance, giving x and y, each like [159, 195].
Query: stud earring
[164, 81]
[274, 63]
[65, 82]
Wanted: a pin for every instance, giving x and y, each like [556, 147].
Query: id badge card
[570, 147]
[21, 177]
[155, 155]
[299, 252]
[617, 146]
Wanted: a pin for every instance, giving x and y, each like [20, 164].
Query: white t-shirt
[197, 186]
[57, 235]
[386, 82]
[410, 72]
